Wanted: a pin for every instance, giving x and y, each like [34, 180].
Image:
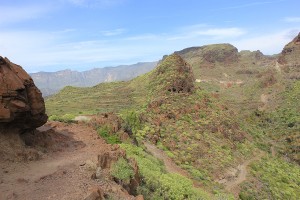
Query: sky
[52, 35]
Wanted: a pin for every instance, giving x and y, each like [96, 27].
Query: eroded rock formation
[21, 102]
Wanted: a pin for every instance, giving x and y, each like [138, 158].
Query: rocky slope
[51, 82]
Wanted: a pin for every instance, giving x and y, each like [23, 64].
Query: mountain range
[51, 82]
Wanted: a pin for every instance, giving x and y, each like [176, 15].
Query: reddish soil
[64, 170]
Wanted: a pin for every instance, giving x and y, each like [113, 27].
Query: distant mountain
[51, 82]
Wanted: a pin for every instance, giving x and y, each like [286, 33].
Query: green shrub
[104, 132]
[132, 121]
[67, 118]
[53, 118]
[122, 170]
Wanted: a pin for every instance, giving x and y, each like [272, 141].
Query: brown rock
[136, 180]
[107, 158]
[96, 194]
[21, 102]
[139, 197]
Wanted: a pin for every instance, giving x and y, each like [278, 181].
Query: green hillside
[208, 128]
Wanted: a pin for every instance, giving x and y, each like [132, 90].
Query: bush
[122, 171]
[104, 132]
[67, 118]
[132, 122]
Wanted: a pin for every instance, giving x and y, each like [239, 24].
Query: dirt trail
[236, 176]
[171, 167]
[61, 174]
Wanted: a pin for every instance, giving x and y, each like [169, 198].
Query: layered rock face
[21, 102]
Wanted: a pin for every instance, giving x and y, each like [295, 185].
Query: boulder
[21, 102]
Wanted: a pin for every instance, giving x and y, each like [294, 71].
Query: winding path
[232, 185]
[171, 167]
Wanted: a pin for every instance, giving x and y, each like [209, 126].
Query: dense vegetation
[157, 183]
[272, 178]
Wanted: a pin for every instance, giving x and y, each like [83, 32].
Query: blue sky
[51, 35]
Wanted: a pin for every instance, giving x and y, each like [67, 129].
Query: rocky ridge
[290, 53]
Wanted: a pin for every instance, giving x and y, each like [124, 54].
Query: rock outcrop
[289, 59]
[21, 102]
[173, 75]
[290, 54]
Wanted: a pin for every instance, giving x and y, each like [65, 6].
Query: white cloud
[269, 43]
[38, 51]
[213, 33]
[291, 19]
[12, 14]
